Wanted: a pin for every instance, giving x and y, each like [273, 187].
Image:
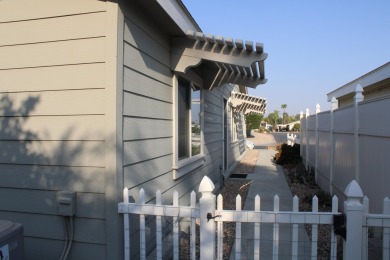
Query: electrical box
[66, 203]
[11, 241]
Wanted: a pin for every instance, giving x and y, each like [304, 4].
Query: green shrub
[288, 154]
[262, 129]
[253, 121]
[296, 127]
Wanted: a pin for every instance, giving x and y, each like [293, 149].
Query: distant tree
[297, 127]
[253, 121]
[274, 118]
[283, 107]
[285, 118]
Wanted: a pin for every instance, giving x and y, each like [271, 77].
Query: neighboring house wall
[375, 84]
[368, 95]
[52, 132]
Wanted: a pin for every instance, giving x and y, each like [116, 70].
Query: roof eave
[368, 79]
[179, 14]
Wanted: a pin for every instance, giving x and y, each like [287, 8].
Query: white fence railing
[211, 217]
[350, 143]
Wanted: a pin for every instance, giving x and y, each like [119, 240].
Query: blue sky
[313, 46]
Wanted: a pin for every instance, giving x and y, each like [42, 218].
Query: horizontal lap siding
[147, 107]
[55, 127]
[37, 202]
[52, 71]
[147, 111]
[52, 247]
[19, 10]
[77, 76]
[148, 125]
[41, 177]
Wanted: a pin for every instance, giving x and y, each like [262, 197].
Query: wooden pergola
[215, 60]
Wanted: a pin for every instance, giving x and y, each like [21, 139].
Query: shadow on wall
[37, 149]
[34, 167]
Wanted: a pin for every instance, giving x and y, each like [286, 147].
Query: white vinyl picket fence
[211, 214]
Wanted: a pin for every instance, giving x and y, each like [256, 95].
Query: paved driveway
[269, 139]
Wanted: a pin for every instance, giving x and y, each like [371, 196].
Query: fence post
[207, 227]
[307, 138]
[334, 104]
[386, 231]
[318, 110]
[301, 130]
[353, 209]
[358, 98]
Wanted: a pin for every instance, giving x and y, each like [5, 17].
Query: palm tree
[283, 106]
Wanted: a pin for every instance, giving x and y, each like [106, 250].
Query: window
[188, 122]
[235, 117]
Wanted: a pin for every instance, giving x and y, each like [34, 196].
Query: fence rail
[210, 214]
[275, 217]
[158, 210]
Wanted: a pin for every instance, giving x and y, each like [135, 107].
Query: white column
[353, 209]
[358, 98]
[207, 227]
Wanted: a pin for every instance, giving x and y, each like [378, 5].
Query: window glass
[189, 120]
[195, 122]
[183, 119]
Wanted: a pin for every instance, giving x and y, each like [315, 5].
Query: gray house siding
[52, 69]
[148, 127]
[148, 107]
[87, 105]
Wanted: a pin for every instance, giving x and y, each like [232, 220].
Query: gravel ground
[305, 193]
[229, 192]
[233, 187]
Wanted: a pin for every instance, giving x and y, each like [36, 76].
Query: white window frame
[186, 165]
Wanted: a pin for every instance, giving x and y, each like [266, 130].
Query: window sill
[234, 143]
[185, 166]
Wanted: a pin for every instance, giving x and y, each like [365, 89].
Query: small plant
[324, 198]
[288, 154]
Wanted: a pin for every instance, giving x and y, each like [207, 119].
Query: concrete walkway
[268, 180]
